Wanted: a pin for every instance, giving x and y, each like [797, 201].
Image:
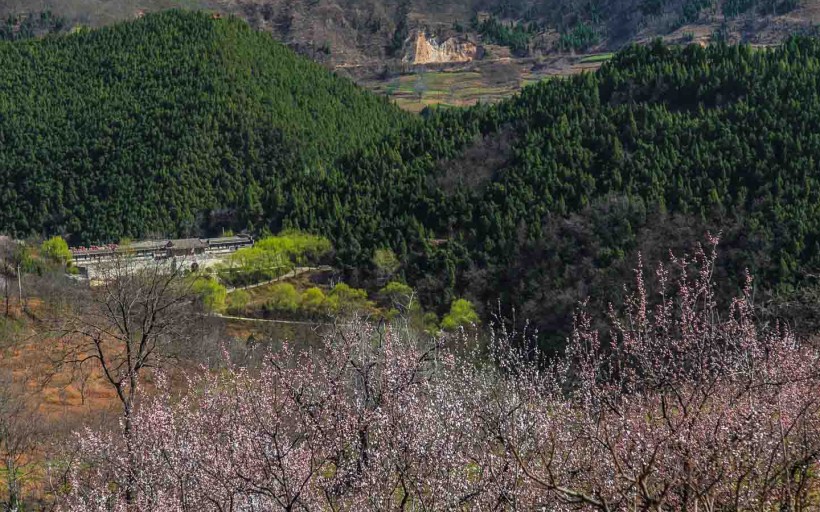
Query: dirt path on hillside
[293, 273]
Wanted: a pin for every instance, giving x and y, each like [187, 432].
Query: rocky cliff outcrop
[430, 51]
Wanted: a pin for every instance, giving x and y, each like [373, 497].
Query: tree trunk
[128, 433]
[13, 483]
[20, 287]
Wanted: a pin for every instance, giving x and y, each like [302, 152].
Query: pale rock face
[430, 51]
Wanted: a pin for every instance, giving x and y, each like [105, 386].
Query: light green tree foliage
[399, 296]
[386, 263]
[345, 299]
[238, 301]
[256, 261]
[462, 314]
[211, 293]
[283, 297]
[299, 248]
[313, 301]
[55, 250]
[273, 256]
[342, 299]
[24, 259]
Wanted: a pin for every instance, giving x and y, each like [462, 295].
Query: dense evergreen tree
[167, 124]
[517, 36]
[662, 144]
[29, 25]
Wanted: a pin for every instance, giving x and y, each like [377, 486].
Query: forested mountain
[180, 123]
[164, 124]
[539, 199]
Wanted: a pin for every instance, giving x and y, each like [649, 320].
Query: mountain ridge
[167, 117]
[375, 32]
[517, 42]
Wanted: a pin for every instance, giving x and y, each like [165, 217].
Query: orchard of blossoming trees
[683, 404]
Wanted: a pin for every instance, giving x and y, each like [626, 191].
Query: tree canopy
[176, 123]
[539, 201]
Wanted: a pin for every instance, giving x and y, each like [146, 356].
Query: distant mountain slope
[167, 124]
[352, 33]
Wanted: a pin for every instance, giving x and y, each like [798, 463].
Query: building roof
[187, 243]
[147, 245]
[239, 239]
[94, 249]
[159, 245]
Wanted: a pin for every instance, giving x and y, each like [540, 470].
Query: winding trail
[293, 273]
[268, 321]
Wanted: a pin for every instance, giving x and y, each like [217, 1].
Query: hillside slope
[168, 124]
[471, 51]
[180, 123]
[545, 198]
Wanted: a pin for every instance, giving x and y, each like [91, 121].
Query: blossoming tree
[681, 405]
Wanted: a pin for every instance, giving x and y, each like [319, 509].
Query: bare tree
[7, 268]
[18, 437]
[131, 317]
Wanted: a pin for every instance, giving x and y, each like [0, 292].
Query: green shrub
[386, 262]
[55, 250]
[211, 293]
[345, 299]
[283, 297]
[462, 314]
[313, 301]
[238, 301]
[25, 258]
[430, 322]
[397, 295]
[299, 248]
